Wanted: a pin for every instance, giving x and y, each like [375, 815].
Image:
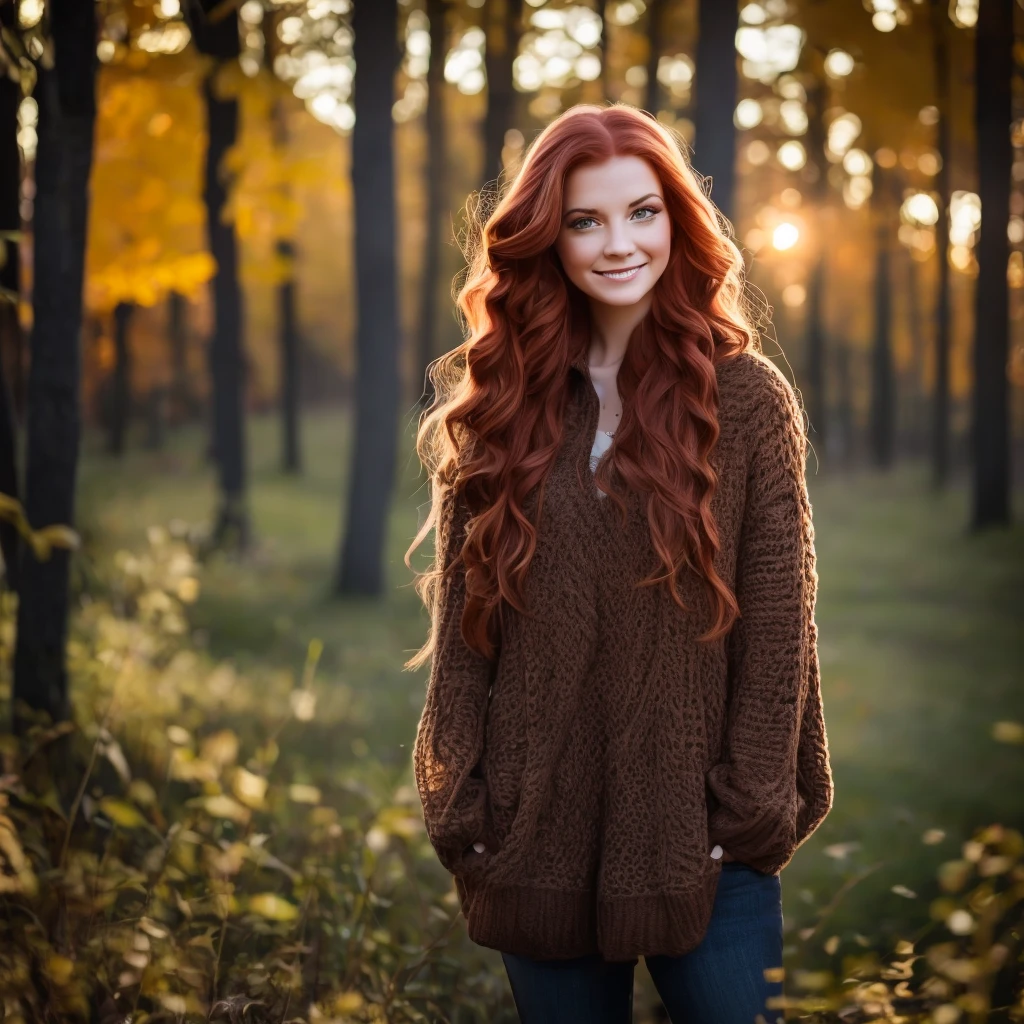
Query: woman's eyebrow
[636, 202]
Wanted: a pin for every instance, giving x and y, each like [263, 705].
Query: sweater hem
[557, 924]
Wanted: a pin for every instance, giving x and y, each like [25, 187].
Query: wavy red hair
[495, 425]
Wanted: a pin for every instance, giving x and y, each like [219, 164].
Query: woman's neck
[611, 327]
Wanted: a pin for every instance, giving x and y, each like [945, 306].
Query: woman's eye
[649, 210]
[582, 223]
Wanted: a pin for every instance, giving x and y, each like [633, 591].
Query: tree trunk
[844, 404]
[67, 111]
[504, 19]
[10, 328]
[121, 392]
[9, 537]
[990, 435]
[289, 346]
[881, 431]
[918, 406]
[655, 22]
[361, 562]
[182, 402]
[436, 179]
[289, 340]
[714, 133]
[219, 39]
[602, 13]
[940, 409]
[817, 408]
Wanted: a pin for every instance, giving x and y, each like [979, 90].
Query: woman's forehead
[618, 180]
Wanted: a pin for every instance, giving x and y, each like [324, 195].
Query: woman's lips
[626, 274]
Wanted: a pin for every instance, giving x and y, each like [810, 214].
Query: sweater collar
[580, 363]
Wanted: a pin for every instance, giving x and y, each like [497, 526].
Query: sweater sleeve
[450, 734]
[774, 785]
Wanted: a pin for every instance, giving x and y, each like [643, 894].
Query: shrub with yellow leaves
[208, 865]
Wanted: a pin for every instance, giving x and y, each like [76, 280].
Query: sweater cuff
[468, 820]
[759, 831]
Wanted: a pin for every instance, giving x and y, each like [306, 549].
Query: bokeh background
[230, 232]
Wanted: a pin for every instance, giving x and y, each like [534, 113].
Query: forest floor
[920, 646]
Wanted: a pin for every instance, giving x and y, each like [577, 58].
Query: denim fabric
[720, 982]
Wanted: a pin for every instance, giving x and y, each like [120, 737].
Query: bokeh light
[856, 191]
[792, 155]
[758, 153]
[964, 218]
[557, 49]
[793, 116]
[842, 133]
[794, 295]
[748, 114]
[856, 161]
[785, 236]
[838, 64]
[464, 66]
[768, 51]
[675, 73]
[964, 13]
[920, 209]
[885, 157]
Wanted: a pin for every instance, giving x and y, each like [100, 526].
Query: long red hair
[495, 425]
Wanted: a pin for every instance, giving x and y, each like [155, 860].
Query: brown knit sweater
[604, 752]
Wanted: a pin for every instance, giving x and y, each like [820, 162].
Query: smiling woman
[608, 240]
[612, 762]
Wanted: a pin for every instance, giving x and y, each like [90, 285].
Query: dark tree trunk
[121, 392]
[182, 402]
[816, 355]
[436, 178]
[10, 329]
[844, 403]
[9, 537]
[990, 435]
[655, 23]
[289, 338]
[504, 19]
[289, 345]
[218, 38]
[67, 111]
[940, 409]
[361, 562]
[714, 134]
[882, 398]
[918, 408]
[817, 409]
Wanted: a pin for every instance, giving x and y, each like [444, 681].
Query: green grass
[920, 644]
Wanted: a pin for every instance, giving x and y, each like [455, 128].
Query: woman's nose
[619, 242]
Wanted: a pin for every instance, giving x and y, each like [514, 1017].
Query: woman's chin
[619, 295]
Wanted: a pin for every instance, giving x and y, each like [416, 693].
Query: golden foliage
[147, 219]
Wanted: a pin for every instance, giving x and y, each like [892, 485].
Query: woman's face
[615, 236]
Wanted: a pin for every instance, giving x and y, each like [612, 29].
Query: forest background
[229, 236]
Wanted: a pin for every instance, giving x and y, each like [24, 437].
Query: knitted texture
[603, 752]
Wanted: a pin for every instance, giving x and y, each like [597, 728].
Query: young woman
[622, 743]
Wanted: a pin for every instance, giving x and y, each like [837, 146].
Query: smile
[621, 275]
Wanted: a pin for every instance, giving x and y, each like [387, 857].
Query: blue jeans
[720, 982]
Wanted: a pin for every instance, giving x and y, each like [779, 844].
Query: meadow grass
[920, 646]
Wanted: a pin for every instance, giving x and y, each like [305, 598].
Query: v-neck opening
[604, 508]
